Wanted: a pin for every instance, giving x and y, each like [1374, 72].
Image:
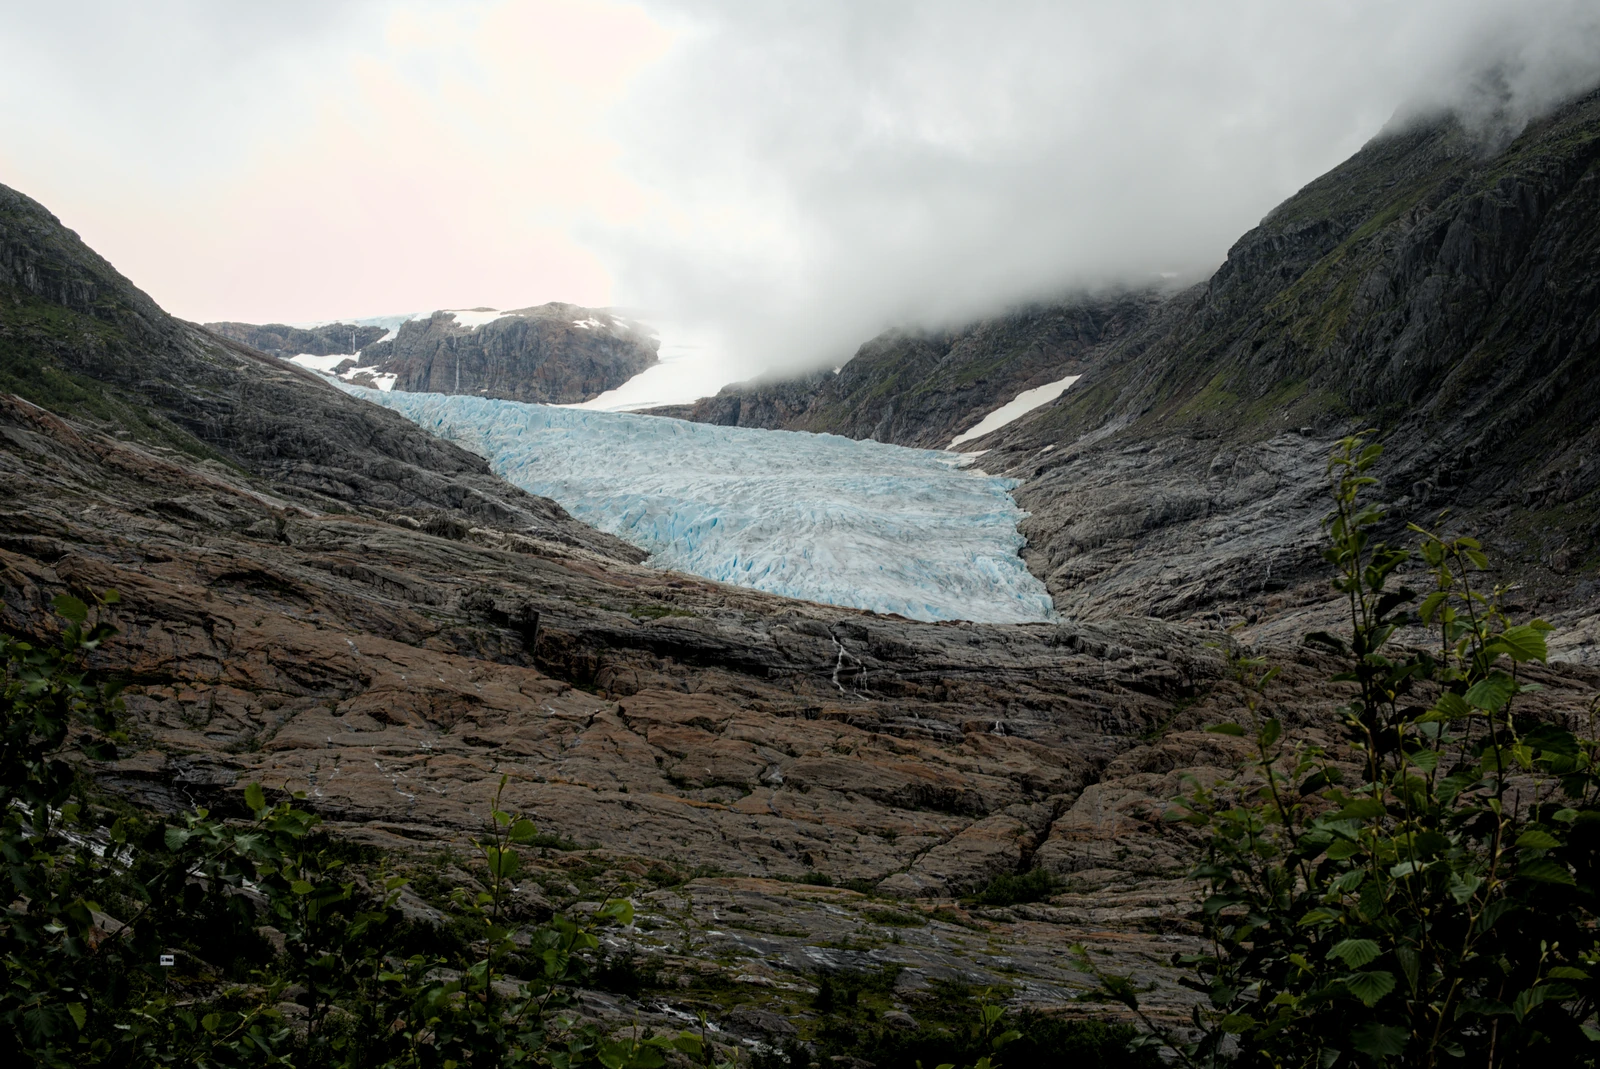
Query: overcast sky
[793, 176]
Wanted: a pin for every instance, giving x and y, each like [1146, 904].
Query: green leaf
[255, 797]
[1410, 965]
[618, 910]
[1534, 839]
[1491, 694]
[1527, 1000]
[78, 1014]
[1361, 809]
[1427, 760]
[1271, 731]
[1354, 952]
[1369, 987]
[523, 831]
[1226, 729]
[1462, 888]
[1523, 643]
[1340, 849]
[502, 863]
[210, 1021]
[1379, 1040]
[71, 608]
[300, 887]
[1545, 870]
[1568, 972]
[175, 838]
[1235, 1023]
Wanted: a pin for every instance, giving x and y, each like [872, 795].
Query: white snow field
[1015, 409]
[812, 516]
[694, 364]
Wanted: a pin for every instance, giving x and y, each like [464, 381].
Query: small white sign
[169, 960]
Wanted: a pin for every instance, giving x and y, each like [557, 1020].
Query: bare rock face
[922, 388]
[552, 354]
[279, 339]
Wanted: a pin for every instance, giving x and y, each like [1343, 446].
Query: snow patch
[813, 516]
[1015, 409]
[691, 365]
[324, 364]
[473, 318]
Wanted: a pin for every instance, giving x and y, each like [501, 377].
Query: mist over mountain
[784, 180]
[923, 165]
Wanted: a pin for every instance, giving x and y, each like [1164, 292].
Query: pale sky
[789, 177]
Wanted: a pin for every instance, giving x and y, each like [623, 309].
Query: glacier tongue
[812, 516]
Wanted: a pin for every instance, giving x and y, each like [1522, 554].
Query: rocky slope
[553, 354]
[922, 388]
[279, 339]
[1432, 287]
[1427, 288]
[318, 596]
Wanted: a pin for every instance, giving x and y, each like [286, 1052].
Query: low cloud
[829, 169]
[776, 181]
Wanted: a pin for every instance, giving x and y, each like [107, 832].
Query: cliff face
[553, 354]
[1439, 290]
[922, 388]
[1441, 293]
[80, 340]
[278, 339]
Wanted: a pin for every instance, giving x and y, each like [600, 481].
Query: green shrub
[1009, 889]
[99, 895]
[1425, 893]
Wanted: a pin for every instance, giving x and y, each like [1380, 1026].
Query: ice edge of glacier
[814, 516]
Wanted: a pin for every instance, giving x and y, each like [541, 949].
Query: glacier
[813, 516]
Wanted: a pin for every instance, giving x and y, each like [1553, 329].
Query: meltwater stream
[812, 516]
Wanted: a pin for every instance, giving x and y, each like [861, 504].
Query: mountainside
[279, 339]
[924, 388]
[552, 354]
[1442, 294]
[316, 593]
[1432, 287]
[78, 339]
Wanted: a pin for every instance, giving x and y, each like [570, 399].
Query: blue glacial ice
[812, 516]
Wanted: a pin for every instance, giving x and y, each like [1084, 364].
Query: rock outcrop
[922, 388]
[1436, 289]
[279, 339]
[551, 354]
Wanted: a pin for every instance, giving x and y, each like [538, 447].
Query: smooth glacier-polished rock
[812, 516]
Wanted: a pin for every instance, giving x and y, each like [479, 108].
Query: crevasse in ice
[812, 516]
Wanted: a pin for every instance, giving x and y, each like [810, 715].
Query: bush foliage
[1424, 894]
[279, 955]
